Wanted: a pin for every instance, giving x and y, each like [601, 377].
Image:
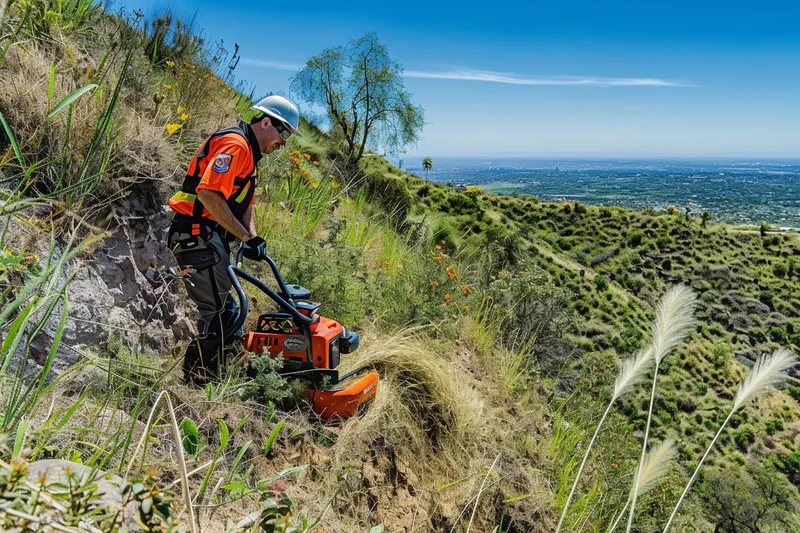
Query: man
[215, 207]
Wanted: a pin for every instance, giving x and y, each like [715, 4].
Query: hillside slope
[497, 323]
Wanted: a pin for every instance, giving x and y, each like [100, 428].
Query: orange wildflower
[434, 283]
[451, 272]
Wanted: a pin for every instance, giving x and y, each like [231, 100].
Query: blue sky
[561, 79]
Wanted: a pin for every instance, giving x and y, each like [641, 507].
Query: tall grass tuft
[631, 372]
[767, 372]
[674, 318]
[656, 465]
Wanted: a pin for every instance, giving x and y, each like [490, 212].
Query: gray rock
[109, 486]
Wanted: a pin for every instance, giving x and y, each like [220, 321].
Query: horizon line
[609, 157]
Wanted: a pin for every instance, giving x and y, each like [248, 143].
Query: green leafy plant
[190, 436]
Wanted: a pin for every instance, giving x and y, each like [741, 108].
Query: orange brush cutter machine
[310, 345]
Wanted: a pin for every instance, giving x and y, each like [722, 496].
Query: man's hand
[255, 249]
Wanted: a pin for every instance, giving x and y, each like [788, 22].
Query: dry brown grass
[417, 459]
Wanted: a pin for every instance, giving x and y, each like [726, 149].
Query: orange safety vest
[227, 163]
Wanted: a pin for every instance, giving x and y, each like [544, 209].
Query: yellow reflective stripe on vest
[184, 196]
[243, 193]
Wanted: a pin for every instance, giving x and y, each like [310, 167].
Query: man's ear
[265, 122]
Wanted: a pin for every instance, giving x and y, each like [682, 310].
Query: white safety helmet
[282, 109]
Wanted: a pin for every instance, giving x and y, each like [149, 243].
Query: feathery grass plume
[656, 465]
[631, 372]
[766, 373]
[674, 317]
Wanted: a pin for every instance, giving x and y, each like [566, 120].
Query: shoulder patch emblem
[222, 163]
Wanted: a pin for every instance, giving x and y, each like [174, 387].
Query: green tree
[427, 164]
[754, 499]
[706, 217]
[362, 91]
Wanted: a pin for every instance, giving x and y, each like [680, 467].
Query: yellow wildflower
[172, 128]
[434, 283]
[334, 185]
[466, 308]
[180, 109]
[170, 63]
[184, 116]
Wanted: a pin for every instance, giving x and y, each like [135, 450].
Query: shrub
[774, 425]
[566, 207]
[601, 282]
[579, 208]
[474, 192]
[767, 298]
[443, 231]
[720, 355]
[794, 392]
[268, 386]
[780, 269]
[462, 204]
[632, 283]
[744, 436]
[390, 193]
[635, 238]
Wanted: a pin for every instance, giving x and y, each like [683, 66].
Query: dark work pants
[209, 286]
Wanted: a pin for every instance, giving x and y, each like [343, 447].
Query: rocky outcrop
[112, 305]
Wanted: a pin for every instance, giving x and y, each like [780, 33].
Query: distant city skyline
[587, 79]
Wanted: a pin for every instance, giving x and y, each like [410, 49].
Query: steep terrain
[497, 323]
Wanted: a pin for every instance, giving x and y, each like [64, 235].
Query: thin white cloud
[279, 65]
[513, 79]
[499, 77]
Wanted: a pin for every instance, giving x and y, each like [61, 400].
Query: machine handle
[235, 273]
[275, 272]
